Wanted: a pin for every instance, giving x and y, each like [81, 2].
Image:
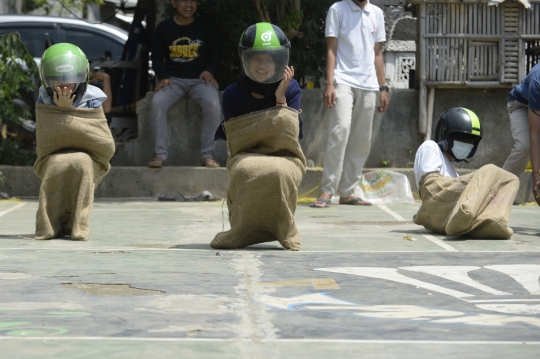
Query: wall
[395, 135]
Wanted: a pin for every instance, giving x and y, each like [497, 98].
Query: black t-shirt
[184, 51]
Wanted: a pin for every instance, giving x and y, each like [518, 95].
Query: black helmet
[267, 44]
[454, 124]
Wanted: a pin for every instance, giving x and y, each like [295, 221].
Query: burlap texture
[265, 169]
[478, 203]
[74, 147]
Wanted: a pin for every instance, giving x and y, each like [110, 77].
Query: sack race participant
[262, 126]
[74, 144]
[477, 204]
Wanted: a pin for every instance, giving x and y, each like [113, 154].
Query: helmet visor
[64, 69]
[265, 66]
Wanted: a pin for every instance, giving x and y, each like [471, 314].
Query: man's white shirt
[429, 158]
[357, 31]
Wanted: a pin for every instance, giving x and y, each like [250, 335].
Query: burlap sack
[265, 168]
[478, 203]
[74, 147]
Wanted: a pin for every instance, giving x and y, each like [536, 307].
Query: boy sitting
[186, 52]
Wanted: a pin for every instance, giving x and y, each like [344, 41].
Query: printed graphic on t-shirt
[184, 49]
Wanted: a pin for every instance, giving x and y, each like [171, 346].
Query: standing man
[185, 55]
[524, 111]
[354, 74]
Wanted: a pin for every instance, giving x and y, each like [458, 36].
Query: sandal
[157, 162]
[209, 163]
[355, 200]
[322, 200]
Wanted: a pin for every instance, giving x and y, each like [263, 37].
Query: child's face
[185, 8]
[62, 86]
[262, 67]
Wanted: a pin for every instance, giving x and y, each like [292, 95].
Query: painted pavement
[367, 283]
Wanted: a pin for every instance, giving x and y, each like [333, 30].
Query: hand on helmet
[63, 97]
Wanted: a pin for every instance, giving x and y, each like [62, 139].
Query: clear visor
[266, 66]
[65, 69]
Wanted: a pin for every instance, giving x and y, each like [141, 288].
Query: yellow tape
[528, 204]
[14, 199]
[303, 198]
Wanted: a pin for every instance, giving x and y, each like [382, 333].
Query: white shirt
[357, 31]
[429, 158]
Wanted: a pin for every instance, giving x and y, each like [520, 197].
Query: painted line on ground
[392, 213]
[233, 340]
[440, 243]
[502, 300]
[222, 252]
[12, 208]
[427, 236]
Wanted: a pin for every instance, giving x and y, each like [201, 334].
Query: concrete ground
[367, 283]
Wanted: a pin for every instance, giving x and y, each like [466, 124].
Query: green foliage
[293, 19]
[11, 154]
[232, 17]
[18, 71]
[308, 53]
[2, 178]
[31, 5]
[385, 163]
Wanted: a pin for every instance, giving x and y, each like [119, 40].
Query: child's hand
[209, 79]
[100, 76]
[162, 84]
[63, 97]
[280, 92]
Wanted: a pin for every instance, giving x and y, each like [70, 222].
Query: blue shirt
[92, 98]
[232, 100]
[528, 91]
[88, 104]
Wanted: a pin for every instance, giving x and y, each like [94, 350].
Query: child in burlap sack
[74, 143]
[262, 127]
[477, 204]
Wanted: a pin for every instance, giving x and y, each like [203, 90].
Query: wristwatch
[384, 88]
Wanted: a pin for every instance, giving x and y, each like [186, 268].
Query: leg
[339, 123]
[519, 123]
[358, 143]
[208, 98]
[161, 102]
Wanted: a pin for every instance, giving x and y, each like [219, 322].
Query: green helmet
[64, 64]
[264, 52]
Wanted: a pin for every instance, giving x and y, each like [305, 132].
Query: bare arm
[288, 75]
[330, 91]
[379, 70]
[106, 79]
[534, 130]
